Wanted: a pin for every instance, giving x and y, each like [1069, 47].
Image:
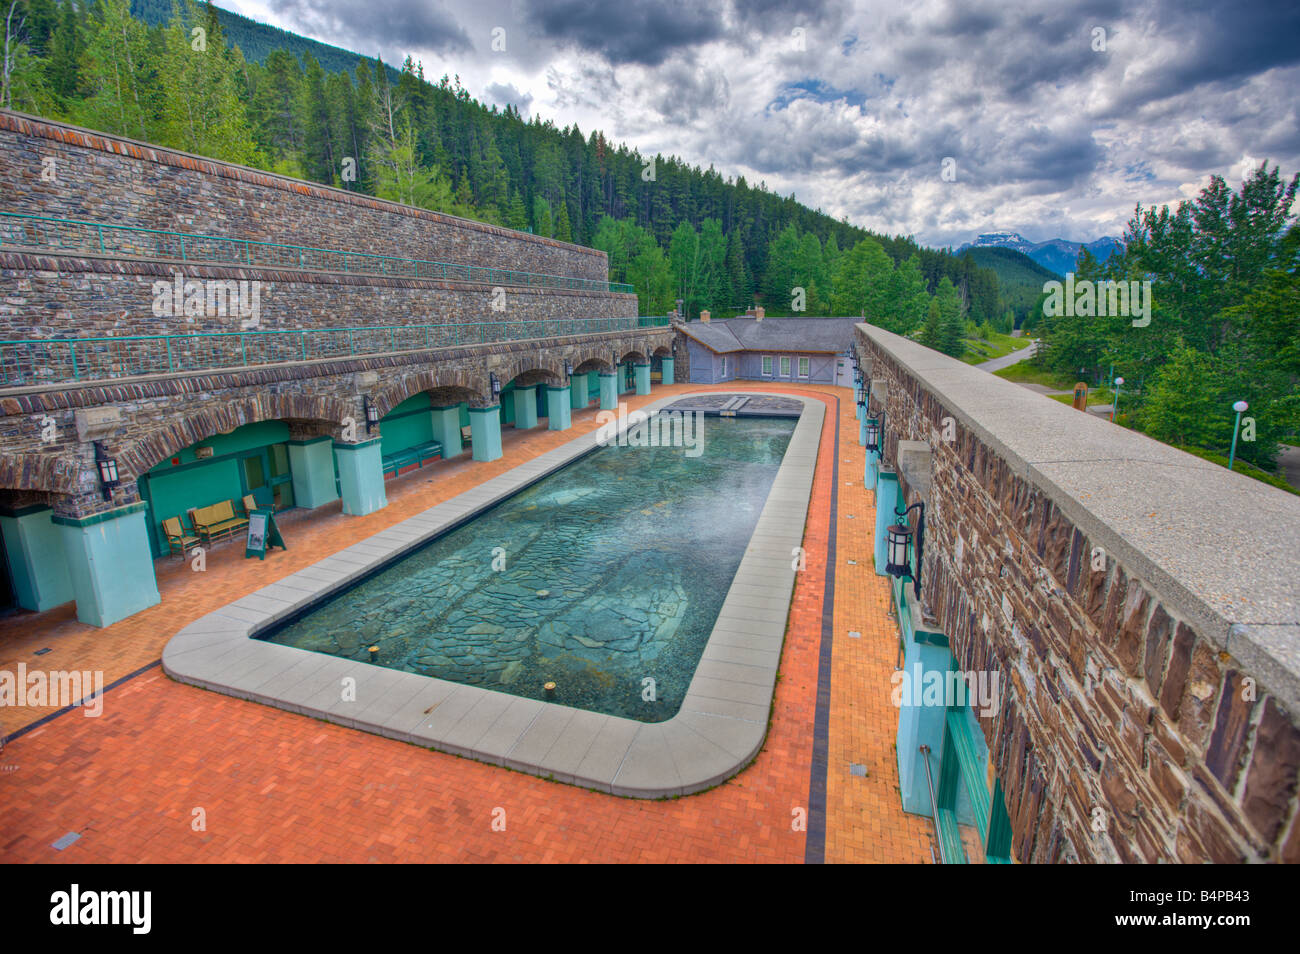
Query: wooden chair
[178, 539]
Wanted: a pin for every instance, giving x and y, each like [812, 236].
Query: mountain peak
[1059, 255]
[998, 238]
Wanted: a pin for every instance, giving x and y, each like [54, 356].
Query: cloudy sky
[1058, 116]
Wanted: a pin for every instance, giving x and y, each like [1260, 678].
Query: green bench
[418, 456]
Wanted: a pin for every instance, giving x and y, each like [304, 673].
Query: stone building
[788, 350]
[179, 334]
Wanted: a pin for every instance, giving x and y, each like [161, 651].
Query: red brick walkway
[174, 773]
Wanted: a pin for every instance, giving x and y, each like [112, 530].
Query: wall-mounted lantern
[372, 412]
[873, 434]
[107, 470]
[568, 369]
[495, 383]
[899, 536]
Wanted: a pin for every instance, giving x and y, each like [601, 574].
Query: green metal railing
[35, 231]
[58, 360]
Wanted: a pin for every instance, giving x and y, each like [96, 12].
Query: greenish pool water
[615, 569]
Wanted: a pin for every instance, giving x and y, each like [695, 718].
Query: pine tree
[952, 324]
[542, 221]
[563, 230]
[931, 335]
[740, 288]
[318, 141]
[911, 301]
[517, 216]
[114, 71]
[201, 110]
[68, 44]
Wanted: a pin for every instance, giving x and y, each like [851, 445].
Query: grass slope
[978, 350]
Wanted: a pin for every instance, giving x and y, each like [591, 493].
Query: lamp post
[1239, 407]
[495, 383]
[1119, 382]
[372, 412]
[873, 434]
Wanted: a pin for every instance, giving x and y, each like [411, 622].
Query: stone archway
[222, 417]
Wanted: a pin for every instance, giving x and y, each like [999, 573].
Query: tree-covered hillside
[1020, 278]
[184, 79]
[257, 41]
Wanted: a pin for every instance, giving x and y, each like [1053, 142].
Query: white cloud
[1050, 136]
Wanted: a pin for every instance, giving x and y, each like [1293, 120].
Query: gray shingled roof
[827, 335]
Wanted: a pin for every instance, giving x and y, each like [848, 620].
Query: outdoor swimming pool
[606, 574]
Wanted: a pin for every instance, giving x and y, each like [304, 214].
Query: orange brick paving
[174, 773]
[865, 821]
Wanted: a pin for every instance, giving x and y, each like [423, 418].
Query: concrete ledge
[1220, 549]
[718, 730]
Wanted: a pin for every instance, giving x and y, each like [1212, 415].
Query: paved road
[1288, 464]
[996, 364]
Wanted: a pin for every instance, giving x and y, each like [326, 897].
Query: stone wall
[106, 179]
[1142, 717]
[146, 421]
[48, 296]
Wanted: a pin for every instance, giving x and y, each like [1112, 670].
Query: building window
[724, 365]
[785, 365]
[803, 367]
[767, 365]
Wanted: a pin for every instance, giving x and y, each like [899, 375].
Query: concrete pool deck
[717, 732]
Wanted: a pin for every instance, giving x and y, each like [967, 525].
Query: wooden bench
[412, 457]
[217, 521]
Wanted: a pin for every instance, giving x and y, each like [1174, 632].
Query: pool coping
[718, 730]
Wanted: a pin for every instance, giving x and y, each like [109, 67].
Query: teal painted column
[525, 407]
[557, 408]
[312, 464]
[886, 498]
[920, 719]
[642, 373]
[446, 430]
[361, 477]
[109, 563]
[34, 546]
[668, 371]
[579, 387]
[859, 410]
[485, 432]
[608, 391]
[871, 470]
[862, 427]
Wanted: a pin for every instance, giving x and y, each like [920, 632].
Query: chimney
[704, 317]
[758, 313]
